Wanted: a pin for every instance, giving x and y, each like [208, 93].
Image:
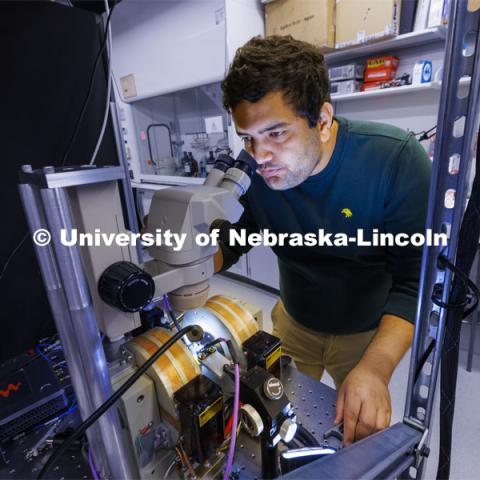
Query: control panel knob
[288, 430]
[273, 389]
[125, 286]
[251, 420]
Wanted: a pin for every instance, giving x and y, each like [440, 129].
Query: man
[347, 309]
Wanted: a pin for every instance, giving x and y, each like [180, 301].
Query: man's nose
[262, 155]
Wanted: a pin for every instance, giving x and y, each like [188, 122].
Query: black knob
[125, 286]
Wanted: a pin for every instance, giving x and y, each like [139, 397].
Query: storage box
[438, 13]
[312, 21]
[371, 86]
[381, 69]
[360, 21]
[347, 86]
[352, 71]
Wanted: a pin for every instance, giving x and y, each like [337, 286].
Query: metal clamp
[336, 432]
[422, 449]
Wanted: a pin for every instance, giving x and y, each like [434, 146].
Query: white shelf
[383, 92]
[387, 92]
[406, 40]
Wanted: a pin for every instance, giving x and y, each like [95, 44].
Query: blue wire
[71, 409]
[47, 358]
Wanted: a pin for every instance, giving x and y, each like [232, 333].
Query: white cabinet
[168, 60]
[263, 266]
[164, 46]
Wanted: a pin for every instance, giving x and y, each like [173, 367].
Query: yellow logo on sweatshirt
[347, 212]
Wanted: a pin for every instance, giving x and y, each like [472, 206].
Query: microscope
[182, 416]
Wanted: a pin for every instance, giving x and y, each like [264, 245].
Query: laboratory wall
[48, 52]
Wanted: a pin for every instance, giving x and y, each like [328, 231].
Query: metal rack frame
[453, 144]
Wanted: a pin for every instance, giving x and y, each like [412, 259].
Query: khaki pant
[314, 352]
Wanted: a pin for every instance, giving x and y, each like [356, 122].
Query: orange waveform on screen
[6, 393]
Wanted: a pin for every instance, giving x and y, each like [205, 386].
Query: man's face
[286, 149]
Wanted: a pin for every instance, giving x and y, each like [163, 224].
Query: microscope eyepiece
[224, 162]
[246, 163]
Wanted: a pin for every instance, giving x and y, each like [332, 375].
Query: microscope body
[187, 212]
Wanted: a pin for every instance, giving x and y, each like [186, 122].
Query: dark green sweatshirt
[377, 178]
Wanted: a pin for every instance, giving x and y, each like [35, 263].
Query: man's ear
[325, 121]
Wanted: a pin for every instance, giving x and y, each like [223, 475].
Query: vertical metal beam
[447, 197]
[61, 315]
[84, 330]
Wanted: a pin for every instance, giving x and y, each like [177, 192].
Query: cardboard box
[360, 21]
[438, 13]
[421, 15]
[312, 21]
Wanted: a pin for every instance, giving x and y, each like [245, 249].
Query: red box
[381, 69]
[370, 86]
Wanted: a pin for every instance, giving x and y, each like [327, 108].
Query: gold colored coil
[174, 369]
[236, 318]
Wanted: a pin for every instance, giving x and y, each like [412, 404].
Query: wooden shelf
[411, 39]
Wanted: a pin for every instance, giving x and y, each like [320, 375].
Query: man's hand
[363, 402]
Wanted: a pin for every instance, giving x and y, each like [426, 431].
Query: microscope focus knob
[125, 286]
[288, 430]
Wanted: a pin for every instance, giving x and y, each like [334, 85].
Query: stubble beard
[306, 162]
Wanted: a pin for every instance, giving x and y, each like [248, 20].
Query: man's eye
[277, 134]
[246, 139]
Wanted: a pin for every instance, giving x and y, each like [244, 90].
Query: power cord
[90, 86]
[108, 31]
[472, 294]
[196, 333]
[424, 135]
[12, 254]
[471, 298]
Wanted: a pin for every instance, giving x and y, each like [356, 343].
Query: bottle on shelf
[203, 170]
[210, 162]
[187, 165]
[194, 165]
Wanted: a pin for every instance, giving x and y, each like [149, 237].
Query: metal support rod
[84, 329]
[61, 315]
[269, 458]
[453, 154]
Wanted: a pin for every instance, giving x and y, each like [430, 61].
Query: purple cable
[92, 465]
[169, 311]
[233, 438]
[166, 302]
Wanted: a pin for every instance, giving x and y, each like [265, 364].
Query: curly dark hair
[279, 63]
